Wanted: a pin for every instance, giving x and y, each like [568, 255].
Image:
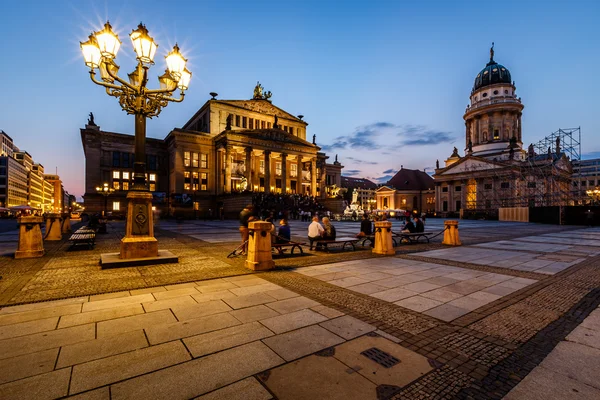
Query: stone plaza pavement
[513, 312]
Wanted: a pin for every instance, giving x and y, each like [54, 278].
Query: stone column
[313, 177]
[451, 205]
[267, 154]
[477, 131]
[284, 173]
[299, 172]
[249, 168]
[383, 238]
[519, 127]
[53, 227]
[31, 244]
[227, 183]
[259, 247]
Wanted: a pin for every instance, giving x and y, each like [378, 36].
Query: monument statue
[314, 139]
[470, 146]
[228, 120]
[530, 150]
[437, 164]
[275, 125]
[455, 153]
[91, 119]
[354, 196]
[492, 52]
[336, 158]
[558, 145]
[258, 91]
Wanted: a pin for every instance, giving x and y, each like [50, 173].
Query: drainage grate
[380, 357]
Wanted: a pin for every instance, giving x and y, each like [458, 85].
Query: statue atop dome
[492, 53]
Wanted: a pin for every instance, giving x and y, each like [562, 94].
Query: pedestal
[31, 244]
[259, 247]
[66, 223]
[53, 227]
[383, 239]
[451, 237]
[139, 240]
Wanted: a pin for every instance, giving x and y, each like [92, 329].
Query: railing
[483, 103]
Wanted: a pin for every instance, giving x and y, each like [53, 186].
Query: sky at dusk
[381, 83]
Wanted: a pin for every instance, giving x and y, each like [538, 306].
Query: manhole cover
[380, 357]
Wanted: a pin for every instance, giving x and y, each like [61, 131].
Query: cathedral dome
[492, 73]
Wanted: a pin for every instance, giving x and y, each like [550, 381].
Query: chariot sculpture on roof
[260, 94]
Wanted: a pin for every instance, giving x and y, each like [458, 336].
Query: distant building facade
[495, 171]
[411, 190]
[228, 147]
[365, 191]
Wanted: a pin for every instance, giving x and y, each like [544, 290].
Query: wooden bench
[339, 242]
[412, 237]
[83, 235]
[281, 247]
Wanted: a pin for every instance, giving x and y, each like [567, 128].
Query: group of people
[247, 215]
[292, 206]
[316, 231]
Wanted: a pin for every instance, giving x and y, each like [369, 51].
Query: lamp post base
[139, 240]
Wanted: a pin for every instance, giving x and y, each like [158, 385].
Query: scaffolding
[569, 139]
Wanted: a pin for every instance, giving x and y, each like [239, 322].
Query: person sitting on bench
[409, 227]
[365, 227]
[315, 231]
[284, 235]
[329, 230]
[419, 227]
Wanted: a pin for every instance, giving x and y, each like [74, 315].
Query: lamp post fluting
[99, 52]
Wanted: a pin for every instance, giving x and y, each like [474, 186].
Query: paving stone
[282, 294]
[347, 327]
[200, 310]
[247, 389]
[96, 394]
[157, 289]
[177, 302]
[421, 287]
[46, 340]
[585, 336]
[469, 303]
[399, 281]
[317, 377]
[395, 294]
[100, 315]
[499, 290]
[255, 313]
[446, 312]
[51, 385]
[544, 384]
[249, 282]
[113, 327]
[15, 318]
[367, 288]
[593, 320]
[411, 366]
[290, 321]
[441, 295]
[27, 328]
[216, 286]
[99, 348]
[166, 332]
[349, 281]
[12, 369]
[223, 339]
[199, 376]
[101, 372]
[464, 288]
[418, 303]
[387, 336]
[181, 286]
[249, 300]
[327, 311]
[513, 285]
[219, 295]
[42, 305]
[441, 281]
[111, 303]
[169, 294]
[575, 361]
[246, 290]
[293, 304]
[113, 295]
[301, 342]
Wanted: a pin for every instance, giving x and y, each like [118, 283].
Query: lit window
[153, 187]
[152, 178]
[496, 134]
[262, 166]
[186, 186]
[116, 205]
[125, 185]
[403, 202]
[195, 160]
[186, 158]
[203, 181]
[203, 160]
[196, 206]
[278, 168]
[116, 175]
[186, 174]
[116, 185]
[125, 175]
[294, 170]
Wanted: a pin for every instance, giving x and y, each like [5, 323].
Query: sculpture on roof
[470, 146]
[530, 150]
[558, 145]
[437, 164]
[91, 120]
[492, 52]
[455, 153]
[259, 94]
[275, 125]
[314, 139]
[228, 120]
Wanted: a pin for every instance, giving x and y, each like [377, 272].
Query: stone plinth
[383, 238]
[259, 247]
[66, 223]
[139, 240]
[451, 237]
[53, 227]
[31, 244]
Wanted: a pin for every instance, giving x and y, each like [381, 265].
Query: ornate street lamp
[99, 52]
[105, 191]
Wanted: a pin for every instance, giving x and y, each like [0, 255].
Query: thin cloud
[390, 171]
[419, 135]
[351, 172]
[357, 161]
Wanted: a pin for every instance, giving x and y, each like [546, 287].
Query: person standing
[246, 215]
[315, 231]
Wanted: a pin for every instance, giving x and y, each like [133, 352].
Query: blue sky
[381, 83]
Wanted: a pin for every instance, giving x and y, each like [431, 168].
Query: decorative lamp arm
[122, 81]
[101, 83]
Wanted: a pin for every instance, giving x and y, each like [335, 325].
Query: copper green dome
[492, 73]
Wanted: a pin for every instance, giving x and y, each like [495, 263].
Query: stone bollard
[259, 247]
[53, 228]
[31, 244]
[66, 223]
[451, 233]
[383, 238]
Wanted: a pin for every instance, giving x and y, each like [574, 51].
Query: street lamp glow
[175, 63]
[184, 81]
[166, 81]
[108, 42]
[143, 44]
[105, 66]
[91, 52]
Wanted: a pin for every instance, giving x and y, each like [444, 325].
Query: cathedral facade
[226, 149]
[496, 171]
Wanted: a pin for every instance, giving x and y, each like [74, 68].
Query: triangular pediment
[277, 135]
[470, 164]
[385, 189]
[260, 106]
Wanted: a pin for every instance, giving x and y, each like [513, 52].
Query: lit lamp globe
[108, 42]
[167, 82]
[91, 52]
[175, 63]
[143, 44]
[184, 81]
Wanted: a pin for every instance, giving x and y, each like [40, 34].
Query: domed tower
[493, 119]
